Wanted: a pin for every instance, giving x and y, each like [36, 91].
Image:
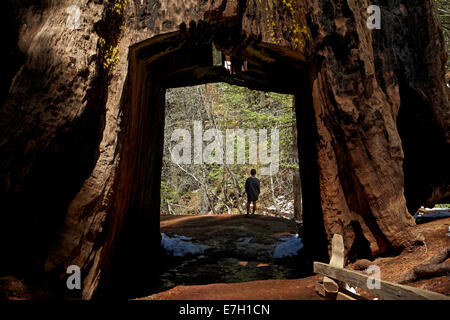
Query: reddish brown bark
[80, 168]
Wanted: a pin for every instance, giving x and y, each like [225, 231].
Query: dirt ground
[296, 289]
[240, 250]
[393, 268]
[264, 229]
[227, 226]
[225, 229]
[222, 230]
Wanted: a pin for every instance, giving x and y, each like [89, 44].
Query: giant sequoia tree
[82, 109]
[219, 187]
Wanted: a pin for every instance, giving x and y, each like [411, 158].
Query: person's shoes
[247, 215]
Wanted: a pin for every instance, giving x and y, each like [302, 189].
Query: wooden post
[337, 260]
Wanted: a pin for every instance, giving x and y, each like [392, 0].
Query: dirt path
[240, 250]
[222, 233]
[223, 229]
[227, 226]
[295, 289]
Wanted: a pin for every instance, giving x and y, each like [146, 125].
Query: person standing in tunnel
[252, 188]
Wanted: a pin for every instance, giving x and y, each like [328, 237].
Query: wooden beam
[337, 260]
[351, 295]
[388, 290]
[343, 296]
[320, 290]
[330, 285]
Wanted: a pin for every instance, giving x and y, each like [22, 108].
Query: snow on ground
[351, 289]
[285, 205]
[180, 246]
[286, 208]
[290, 246]
[434, 209]
[431, 214]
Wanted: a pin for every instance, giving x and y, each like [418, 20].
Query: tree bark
[434, 267]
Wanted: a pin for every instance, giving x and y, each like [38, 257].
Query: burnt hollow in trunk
[187, 59]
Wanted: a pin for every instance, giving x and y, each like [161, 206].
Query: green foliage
[110, 56]
[115, 9]
[256, 109]
[214, 172]
[442, 205]
[231, 107]
[293, 31]
[168, 192]
[444, 15]
[109, 39]
[117, 6]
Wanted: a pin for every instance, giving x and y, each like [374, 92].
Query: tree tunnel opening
[214, 135]
[204, 54]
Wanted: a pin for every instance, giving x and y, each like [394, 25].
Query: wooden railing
[336, 277]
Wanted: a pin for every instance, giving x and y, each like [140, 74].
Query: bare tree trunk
[296, 182]
[206, 190]
[237, 189]
[206, 202]
[277, 207]
[169, 209]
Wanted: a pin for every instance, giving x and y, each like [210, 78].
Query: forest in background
[444, 15]
[219, 188]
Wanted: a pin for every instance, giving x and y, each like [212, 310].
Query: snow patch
[351, 289]
[290, 246]
[284, 206]
[180, 246]
[433, 209]
[434, 214]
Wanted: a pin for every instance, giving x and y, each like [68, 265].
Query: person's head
[253, 172]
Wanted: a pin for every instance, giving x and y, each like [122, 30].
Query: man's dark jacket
[252, 188]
